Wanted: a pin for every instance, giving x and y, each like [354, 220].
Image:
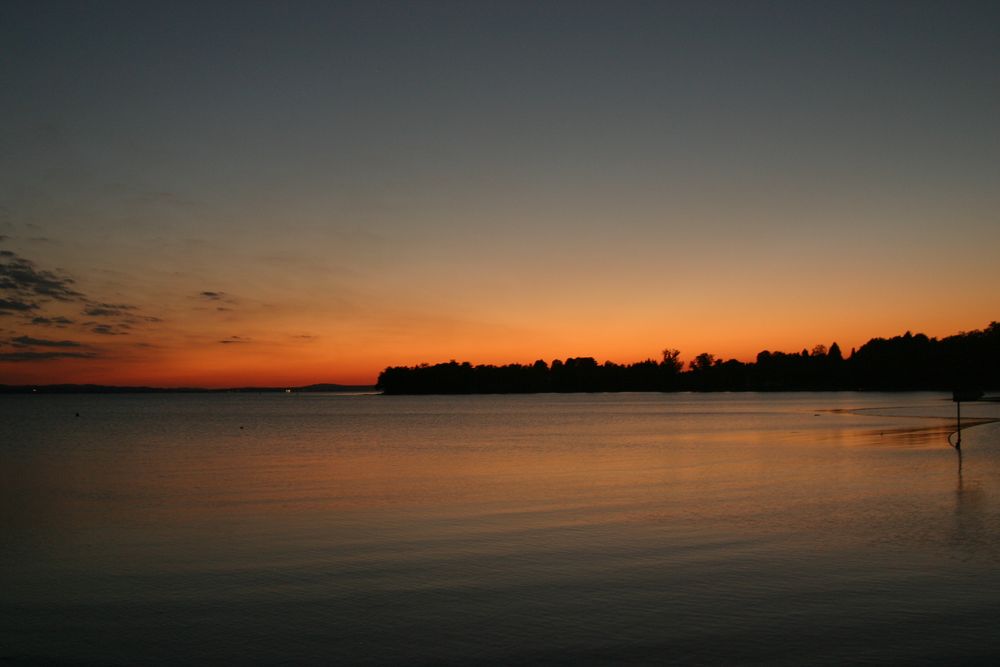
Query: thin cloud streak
[234, 339]
[8, 306]
[28, 341]
[58, 321]
[45, 356]
[107, 330]
[107, 309]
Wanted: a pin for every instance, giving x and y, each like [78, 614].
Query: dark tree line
[911, 361]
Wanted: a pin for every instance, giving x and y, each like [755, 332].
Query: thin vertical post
[958, 407]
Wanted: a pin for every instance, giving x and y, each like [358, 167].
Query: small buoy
[77, 414]
[241, 428]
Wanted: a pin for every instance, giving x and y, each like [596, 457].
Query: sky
[261, 193]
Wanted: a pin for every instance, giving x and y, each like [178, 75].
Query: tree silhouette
[910, 361]
[671, 361]
[702, 362]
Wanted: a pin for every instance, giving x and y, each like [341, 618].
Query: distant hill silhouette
[905, 362]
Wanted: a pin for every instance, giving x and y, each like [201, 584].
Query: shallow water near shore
[576, 529]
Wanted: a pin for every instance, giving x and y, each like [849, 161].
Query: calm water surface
[573, 529]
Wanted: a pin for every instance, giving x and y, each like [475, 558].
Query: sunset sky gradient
[221, 194]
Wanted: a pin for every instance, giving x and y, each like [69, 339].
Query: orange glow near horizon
[213, 364]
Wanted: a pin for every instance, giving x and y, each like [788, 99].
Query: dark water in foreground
[574, 529]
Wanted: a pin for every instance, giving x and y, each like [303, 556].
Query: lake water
[557, 529]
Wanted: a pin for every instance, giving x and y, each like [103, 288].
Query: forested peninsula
[906, 362]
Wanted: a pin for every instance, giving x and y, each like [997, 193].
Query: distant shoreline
[111, 389]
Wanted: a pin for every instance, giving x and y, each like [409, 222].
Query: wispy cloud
[223, 300]
[58, 321]
[28, 341]
[107, 309]
[33, 297]
[25, 289]
[109, 329]
[28, 355]
[8, 306]
[20, 277]
[234, 339]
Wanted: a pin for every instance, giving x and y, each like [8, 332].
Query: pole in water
[958, 396]
[958, 418]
